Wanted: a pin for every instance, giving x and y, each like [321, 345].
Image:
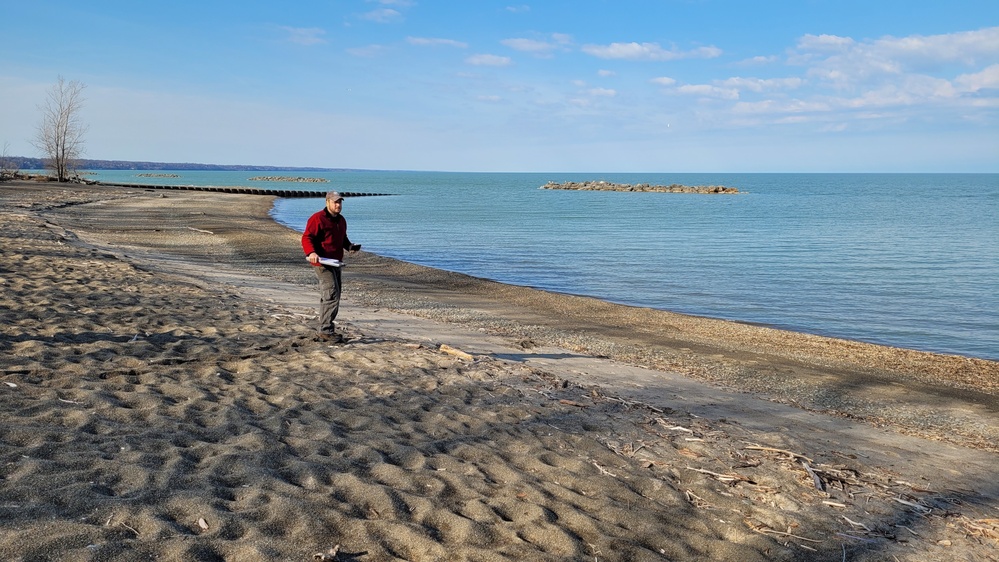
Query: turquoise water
[909, 260]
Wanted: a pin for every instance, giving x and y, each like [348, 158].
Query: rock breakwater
[640, 187]
[291, 179]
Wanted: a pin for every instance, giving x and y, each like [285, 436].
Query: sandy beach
[163, 397]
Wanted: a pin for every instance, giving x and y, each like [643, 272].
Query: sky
[518, 86]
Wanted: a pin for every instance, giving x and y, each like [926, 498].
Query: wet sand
[163, 397]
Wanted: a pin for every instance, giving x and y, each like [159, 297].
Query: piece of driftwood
[763, 529]
[731, 479]
[444, 348]
[782, 451]
[819, 484]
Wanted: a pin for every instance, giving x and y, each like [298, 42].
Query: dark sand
[163, 397]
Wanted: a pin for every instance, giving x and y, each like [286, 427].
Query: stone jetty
[291, 179]
[641, 187]
[286, 193]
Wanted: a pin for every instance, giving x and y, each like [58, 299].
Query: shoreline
[713, 350]
[185, 321]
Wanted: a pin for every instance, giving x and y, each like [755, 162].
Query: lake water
[909, 260]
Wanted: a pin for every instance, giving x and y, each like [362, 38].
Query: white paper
[331, 262]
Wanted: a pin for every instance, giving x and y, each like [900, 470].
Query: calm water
[910, 260]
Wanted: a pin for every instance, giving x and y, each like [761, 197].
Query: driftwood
[670, 442]
[444, 348]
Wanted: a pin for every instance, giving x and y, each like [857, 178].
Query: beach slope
[162, 397]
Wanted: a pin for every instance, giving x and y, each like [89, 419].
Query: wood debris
[781, 451]
[819, 484]
[731, 479]
[696, 500]
[986, 528]
[766, 530]
[444, 348]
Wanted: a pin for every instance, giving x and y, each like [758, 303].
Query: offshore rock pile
[286, 178]
[641, 187]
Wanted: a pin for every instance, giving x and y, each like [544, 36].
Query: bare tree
[60, 134]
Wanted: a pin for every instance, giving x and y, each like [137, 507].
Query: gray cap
[334, 195]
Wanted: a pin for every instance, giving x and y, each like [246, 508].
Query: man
[325, 236]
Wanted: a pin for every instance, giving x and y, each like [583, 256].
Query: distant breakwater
[288, 193]
[641, 187]
[291, 179]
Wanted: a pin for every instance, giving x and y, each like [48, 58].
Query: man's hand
[354, 248]
[313, 258]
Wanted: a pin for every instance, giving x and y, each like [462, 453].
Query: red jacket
[325, 235]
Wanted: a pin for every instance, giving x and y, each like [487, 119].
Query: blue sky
[582, 85]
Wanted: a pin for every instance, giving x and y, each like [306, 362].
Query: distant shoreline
[25, 163]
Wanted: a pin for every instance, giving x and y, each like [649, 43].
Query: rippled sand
[163, 397]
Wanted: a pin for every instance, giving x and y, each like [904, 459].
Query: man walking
[325, 236]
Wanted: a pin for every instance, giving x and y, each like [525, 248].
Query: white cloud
[884, 82]
[434, 42]
[840, 82]
[488, 60]
[774, 106]
[603, 92]
[648, 51]
[918, 88]
[825, 43]
[966, 47]
[305, 35]
[761, 85]
[537, 47]
[382, 15]
[758, 60]
[876, 103]
[707, 90]
[522, 9]
[606, 73]
[845, 63]
[987, 79]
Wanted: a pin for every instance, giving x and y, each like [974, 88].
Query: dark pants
[329, 297]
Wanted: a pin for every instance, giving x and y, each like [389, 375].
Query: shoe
[330, 338]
